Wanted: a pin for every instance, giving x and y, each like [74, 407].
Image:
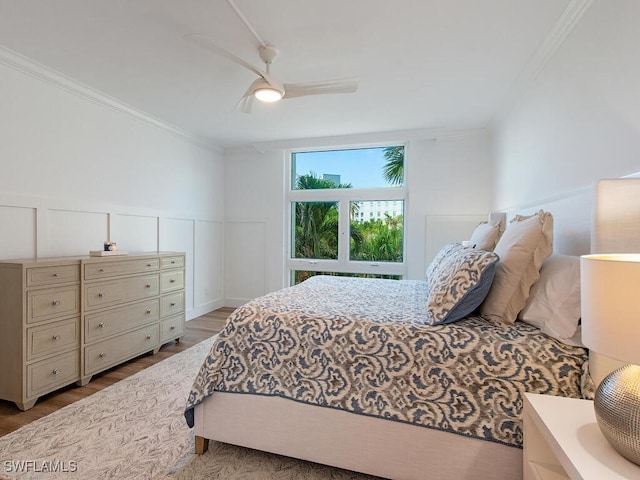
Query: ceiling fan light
[268, 94]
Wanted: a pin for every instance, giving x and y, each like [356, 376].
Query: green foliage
[316, 223]
[393, 170]
[382, 241]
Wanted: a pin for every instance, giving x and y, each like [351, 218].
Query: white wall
[579, 120]
[254, 223]
[77, 168]
[450, 183]
[448, 180]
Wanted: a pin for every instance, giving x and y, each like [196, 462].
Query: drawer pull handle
[101, 354]
[148, 311]
[101, 325]
[56, 274]
[148, 286]
[148, 337]
[173, 280]
[172, 327]
[149, 265]
[57, 337]
[173, 304]
[101, 270]
[55, 371]
[173, 261]
[100, 294]
[55, 302]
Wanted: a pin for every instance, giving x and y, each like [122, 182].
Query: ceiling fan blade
[210, 45]
[343, 85]
[246, 102]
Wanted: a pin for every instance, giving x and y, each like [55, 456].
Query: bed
[402, 379]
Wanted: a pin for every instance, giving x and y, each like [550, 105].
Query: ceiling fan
[266, 87]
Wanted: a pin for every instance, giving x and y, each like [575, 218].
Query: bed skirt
[354, 442]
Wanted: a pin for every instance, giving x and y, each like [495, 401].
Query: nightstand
[562, 441]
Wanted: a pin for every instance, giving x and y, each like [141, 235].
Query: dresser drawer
[171, 328]
[51, 373]
[104, 294]
[52, 303]
[172, 280]
[53, 338]
[104, 324]
[96, 271]
[110, 352]
[40, 276]
[172, 304]
[173, 262]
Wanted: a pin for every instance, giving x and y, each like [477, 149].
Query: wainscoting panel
[135, 233]
[75, 232]
[19, 232]
[245, 262]
[208, 267]
[177, 235]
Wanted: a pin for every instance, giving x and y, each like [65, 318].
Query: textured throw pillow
[443, 253]
[485, 236]
[522, 248]
[554, 301]
[458, 283]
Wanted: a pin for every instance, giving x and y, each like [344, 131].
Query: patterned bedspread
[362, 345]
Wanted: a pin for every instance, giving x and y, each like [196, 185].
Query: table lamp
[610, 304]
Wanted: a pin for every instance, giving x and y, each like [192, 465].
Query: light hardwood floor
[196, 330]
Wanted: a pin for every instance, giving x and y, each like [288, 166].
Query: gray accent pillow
[458, 282]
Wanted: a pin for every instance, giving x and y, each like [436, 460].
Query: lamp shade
[610, 305]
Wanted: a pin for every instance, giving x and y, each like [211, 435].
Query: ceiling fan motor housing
[268, 53]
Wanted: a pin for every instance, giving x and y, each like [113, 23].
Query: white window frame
[343, 196]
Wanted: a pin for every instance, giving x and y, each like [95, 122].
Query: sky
[362, 167]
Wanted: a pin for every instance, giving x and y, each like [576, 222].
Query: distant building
[370, 209]
[331, 177]
[377, 210]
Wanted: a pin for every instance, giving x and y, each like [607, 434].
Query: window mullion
[343, 231]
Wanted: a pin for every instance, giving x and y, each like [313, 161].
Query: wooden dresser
[64, 320]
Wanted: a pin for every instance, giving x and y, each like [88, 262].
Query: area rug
[135, 429]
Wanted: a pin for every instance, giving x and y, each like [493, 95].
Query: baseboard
[204, 309]
[235, 302]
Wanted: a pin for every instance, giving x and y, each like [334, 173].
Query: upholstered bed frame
[377, 446]
[355, 442]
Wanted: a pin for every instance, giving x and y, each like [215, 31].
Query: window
[347, 213]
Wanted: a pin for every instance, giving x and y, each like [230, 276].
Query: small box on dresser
[40, 327]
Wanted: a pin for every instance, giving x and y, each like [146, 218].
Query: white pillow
[485, 236]
[522, 248]
[554, 300]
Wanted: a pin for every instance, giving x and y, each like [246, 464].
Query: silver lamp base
[617, 408]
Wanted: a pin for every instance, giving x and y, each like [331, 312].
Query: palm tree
[316, 223]
[393, 170]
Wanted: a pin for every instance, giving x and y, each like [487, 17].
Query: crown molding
[545, 52]
[27, 66]
[358, 140]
